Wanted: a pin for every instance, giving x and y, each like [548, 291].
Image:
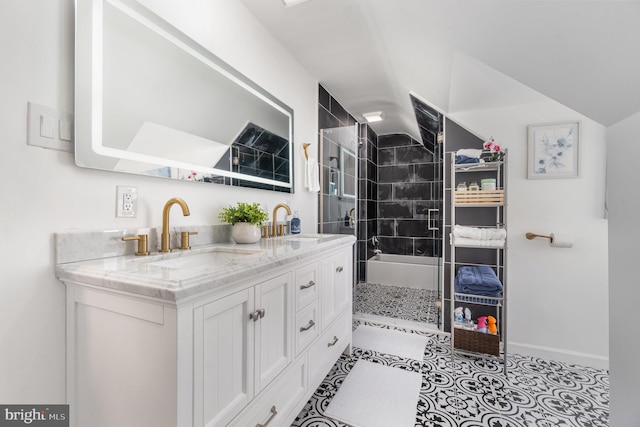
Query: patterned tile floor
[418, 305]
[474, 392]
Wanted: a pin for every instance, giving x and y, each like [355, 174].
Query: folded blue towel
[478, 280]
[461, 159]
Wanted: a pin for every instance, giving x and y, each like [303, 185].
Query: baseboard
[560, 355]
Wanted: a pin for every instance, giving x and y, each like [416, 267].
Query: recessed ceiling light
[290, 3]
[374, 116]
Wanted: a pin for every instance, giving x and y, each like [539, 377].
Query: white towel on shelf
[465, 241]
[311, 175]
[479, 233]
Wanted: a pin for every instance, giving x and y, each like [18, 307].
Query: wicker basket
[478, 342]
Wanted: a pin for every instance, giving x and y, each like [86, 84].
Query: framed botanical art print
[554, 150]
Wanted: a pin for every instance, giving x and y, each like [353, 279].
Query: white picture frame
[554, 150]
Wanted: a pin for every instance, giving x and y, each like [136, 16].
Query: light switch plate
[49, 128]
[126, 201]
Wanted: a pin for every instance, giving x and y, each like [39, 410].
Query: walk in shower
[396, 212]
[401, 281]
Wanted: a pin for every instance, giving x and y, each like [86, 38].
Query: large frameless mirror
[150, 100]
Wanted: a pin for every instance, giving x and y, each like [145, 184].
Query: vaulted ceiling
[465, 54]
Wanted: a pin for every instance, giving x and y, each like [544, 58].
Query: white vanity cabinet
[336, 291]
[240, 344]
[246, 353]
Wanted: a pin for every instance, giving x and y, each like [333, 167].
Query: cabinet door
[223, 358]
[335, 292]
[274, 303]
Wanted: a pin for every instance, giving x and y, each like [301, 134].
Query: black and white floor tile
[474, 392]
[418, 305]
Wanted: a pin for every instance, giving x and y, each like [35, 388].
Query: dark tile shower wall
[367, 197]
[409, 186]
[332, 115]
[334, 207]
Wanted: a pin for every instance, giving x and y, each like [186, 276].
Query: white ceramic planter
[243, 232]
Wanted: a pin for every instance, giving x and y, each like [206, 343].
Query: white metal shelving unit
[473, 200]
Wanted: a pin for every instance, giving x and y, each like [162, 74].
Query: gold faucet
[352, 219]
[165, 245]
[275, 210]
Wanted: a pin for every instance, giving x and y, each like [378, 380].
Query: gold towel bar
[532, 236]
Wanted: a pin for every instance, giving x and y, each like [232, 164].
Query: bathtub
[404, 270]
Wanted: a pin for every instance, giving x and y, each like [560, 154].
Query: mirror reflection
[152, 101]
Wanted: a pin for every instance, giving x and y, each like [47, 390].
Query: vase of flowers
[245, 219]
[494, 149]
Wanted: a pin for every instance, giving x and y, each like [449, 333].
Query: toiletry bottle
[346, 218]
[295, 223]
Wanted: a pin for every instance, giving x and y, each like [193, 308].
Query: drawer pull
[339, 269]
[311, 283]
[255, 315]
[261, 313]
[333, 342]
[309, 326]
[273, 414]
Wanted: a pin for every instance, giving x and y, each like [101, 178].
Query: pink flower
[496, 148]
[487, 145]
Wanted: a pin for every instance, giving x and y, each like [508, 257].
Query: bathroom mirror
[150, 100]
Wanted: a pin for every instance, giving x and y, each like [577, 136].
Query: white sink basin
[210, 258]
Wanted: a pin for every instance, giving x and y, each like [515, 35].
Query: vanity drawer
[328, 347]
[306, 284]
[273, 407]
[306, 326]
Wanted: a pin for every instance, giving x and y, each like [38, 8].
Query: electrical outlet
[126, 201]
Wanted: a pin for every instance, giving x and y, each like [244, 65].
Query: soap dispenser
[346, 218]
[295, 223]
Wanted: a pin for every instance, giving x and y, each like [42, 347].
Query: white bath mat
[374, 395]
[388, 341]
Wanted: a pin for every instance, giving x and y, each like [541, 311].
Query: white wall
[44, 192]
[557, 303]
[624, 290]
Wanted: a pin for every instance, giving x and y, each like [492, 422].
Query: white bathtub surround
[153, 338]
[405, 270]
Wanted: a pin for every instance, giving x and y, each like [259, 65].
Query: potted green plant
[245, 219]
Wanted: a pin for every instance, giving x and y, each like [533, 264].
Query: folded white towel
[311, 175]
[469, 152]
[465, 241]
[479, 233]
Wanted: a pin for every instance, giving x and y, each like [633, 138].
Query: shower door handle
[429, 220]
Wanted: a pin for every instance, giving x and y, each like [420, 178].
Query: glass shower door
[338, 180]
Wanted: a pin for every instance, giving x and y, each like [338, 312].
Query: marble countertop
[182, 274]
